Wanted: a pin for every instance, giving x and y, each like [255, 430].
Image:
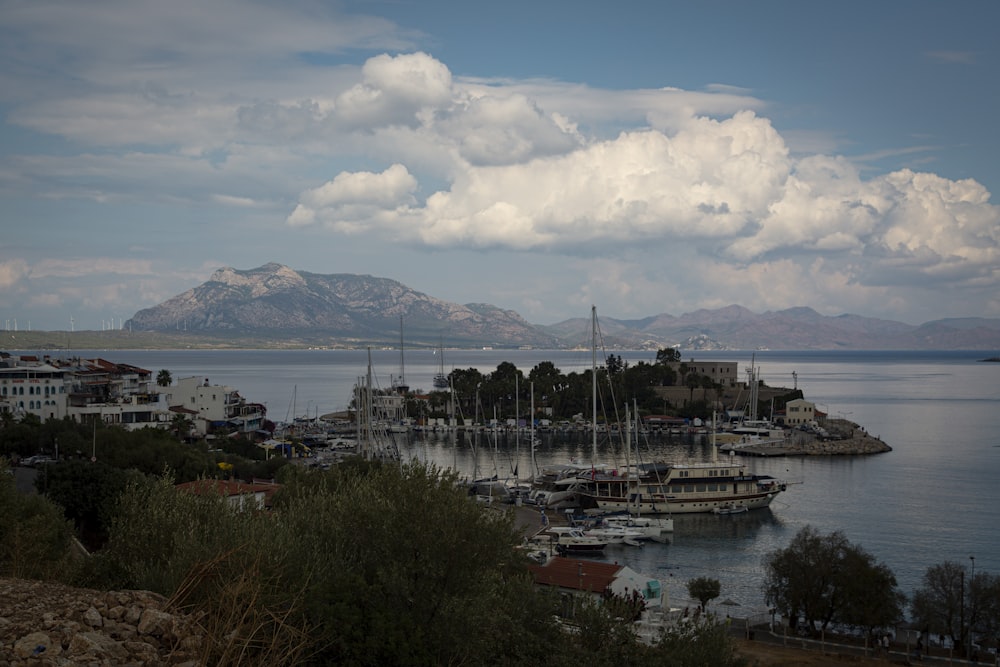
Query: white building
[216, 406]
[117, 394]
[32, 387]
[799, 411]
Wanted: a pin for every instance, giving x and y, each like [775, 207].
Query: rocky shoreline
[46, 623]
[849, 439]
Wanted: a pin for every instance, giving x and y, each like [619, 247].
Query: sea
[933, 498]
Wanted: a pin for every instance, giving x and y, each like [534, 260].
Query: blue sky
[643, 157]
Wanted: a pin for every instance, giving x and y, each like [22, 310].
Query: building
[117, 394]
[799, 411]
[29, 386]
[725, 373]
[82, 389]
[240, 495]
[216, 407]
[575, 577]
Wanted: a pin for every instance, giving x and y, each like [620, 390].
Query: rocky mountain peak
[268, 278]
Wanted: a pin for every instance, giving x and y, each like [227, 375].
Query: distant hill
[274, 302]
[800, 328]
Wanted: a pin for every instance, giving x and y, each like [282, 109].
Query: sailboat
[440, 379]
[375, 441]
[558, 486]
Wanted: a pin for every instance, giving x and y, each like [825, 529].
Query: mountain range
[276, 302]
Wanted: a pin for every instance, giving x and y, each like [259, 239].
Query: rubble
[45, 623]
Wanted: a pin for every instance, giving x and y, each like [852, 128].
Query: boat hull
[670, 506]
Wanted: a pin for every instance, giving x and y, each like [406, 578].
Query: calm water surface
[934, 497]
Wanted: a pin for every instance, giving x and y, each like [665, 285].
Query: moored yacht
[573, 540]
[679, 488]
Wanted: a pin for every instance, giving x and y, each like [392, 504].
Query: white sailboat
[440, 379]
[375, 441]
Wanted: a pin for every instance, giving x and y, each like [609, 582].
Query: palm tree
[164, 378]
[181, 426]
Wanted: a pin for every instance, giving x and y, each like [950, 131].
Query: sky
[544, 156]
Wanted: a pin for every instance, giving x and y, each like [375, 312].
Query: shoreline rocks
[849, 439]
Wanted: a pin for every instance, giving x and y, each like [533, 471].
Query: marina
[920, 504]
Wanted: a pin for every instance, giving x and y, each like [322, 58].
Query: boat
[731, 509]
[555, 486]
[440, 379]
[651, 526]
[664, 488]
[681, 488]
[375, 440]
[616, 534]
[569, 540]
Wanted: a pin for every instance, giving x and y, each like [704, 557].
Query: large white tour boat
[678, 488]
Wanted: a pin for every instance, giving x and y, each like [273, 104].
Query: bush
[35, 538]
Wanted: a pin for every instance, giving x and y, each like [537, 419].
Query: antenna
[795, 380]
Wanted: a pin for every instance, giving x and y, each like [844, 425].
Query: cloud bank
[522, 177]
[179, 139]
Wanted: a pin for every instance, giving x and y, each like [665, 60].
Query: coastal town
[565, 516]
[120, 394]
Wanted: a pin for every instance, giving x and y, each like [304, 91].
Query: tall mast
[593, 381]
[517, 429]
[534, 464]
[402, 365]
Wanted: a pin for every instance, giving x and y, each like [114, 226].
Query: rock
[93, 618]
[46, 623]
[97, 645]
[156, 623]
[35, 644]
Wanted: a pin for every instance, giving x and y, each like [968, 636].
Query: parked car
[37, 460]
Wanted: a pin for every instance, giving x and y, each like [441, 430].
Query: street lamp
[972, 601]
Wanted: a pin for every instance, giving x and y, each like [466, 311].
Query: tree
[693, 381]
[704, 590]
[824, 578]
[615, 365]
[181, 425]
[34, 535]
[984, 605]
[667, 355]
[88, 493]
[950, 602]
[164, 378]
[703, 641]
[872, 600]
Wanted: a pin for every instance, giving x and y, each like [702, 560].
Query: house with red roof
[241, 495]
[582, 577]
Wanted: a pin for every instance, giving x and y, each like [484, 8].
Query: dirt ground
[763, 654]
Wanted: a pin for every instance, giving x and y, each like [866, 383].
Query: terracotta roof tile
[576, 574]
